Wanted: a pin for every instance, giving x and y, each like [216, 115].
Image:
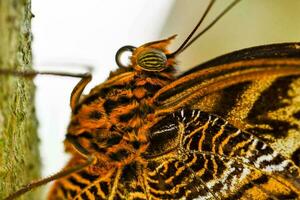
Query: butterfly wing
[256, 89]
[205, 157]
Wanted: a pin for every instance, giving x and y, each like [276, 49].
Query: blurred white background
[90, 32]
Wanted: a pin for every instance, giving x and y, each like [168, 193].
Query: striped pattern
[255, 89]
[214, 160]
[152, 60]
[208, 159]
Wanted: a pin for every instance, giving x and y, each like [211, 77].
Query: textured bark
[19, 157]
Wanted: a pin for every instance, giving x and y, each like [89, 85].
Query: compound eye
[152, 60]
[122, 56]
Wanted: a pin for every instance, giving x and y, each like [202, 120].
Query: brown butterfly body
[153, 139]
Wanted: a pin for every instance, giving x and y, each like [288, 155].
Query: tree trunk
[19, 157]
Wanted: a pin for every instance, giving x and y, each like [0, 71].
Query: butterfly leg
[77, 91]
[89, 161]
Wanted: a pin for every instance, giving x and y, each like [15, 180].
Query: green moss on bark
[19, 157]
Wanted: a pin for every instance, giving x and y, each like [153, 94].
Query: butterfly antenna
[194, 30]
[188, 42]
[90, 160]
[32, 73]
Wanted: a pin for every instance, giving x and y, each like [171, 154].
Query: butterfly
[218, 131]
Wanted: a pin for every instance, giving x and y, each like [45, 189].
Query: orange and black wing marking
[208, 158]
[256, 89]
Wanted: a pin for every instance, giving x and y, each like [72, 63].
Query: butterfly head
[152, 56]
